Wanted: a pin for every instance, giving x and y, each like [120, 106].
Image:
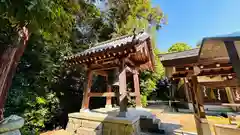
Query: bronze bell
[113, 77]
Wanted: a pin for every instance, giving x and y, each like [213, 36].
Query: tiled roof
[178, 55]
[114, 43]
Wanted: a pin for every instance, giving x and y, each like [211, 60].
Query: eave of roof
[231, 36]
[179, 55]
[113, 44]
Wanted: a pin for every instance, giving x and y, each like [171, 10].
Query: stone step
[182, 132]
[150, 125]
[158, 122]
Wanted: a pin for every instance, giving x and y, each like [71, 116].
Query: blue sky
[191, 20]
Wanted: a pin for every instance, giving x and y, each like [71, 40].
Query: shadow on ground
[170, 127]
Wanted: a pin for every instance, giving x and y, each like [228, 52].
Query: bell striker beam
[86, 96]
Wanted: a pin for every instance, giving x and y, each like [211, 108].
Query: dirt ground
[57, 132]
[186, 122]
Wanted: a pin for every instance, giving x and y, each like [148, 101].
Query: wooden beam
[86, 98]
[212, 66]
[129, 69]
[225, 83]
[101, 72]
[213, 60]
[104, 68]
[108, 94]
[234, 57]
[203, 73]
[102, 94]
[202, 79]
[132, 94]
[130, 62]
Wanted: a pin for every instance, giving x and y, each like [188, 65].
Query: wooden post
[108, 98]
[86, 97]
[137, 88]
[122, 91]
[234, 57]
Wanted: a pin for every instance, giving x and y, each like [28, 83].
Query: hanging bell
[113, 77]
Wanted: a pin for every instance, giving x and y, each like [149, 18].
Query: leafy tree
[178, 47]
[42, 86]
[50, 26]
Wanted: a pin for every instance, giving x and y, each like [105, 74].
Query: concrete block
[73, 125]
[88, 131]
[92, 124]
[108, 106]
[106, 131]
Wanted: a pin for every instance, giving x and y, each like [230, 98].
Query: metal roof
[179, 55]
[231, 35]
[114, 43]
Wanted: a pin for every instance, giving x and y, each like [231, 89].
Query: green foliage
[149, 79]
[127, 15]
[144, 100]
[179, 47]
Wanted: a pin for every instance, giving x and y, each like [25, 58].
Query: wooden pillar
[186, 90]
[108, 98]
[86, 97]
[234, 57]
[137, 88]
[173, 89]
[193, 99]
[200, 118]
[198, 97]
[122, 91]
[230, 97]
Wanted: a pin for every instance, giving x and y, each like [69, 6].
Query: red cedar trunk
[9, 61]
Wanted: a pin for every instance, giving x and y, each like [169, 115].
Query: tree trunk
[8, 64]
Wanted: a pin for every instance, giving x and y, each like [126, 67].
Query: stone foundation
[92, 123]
